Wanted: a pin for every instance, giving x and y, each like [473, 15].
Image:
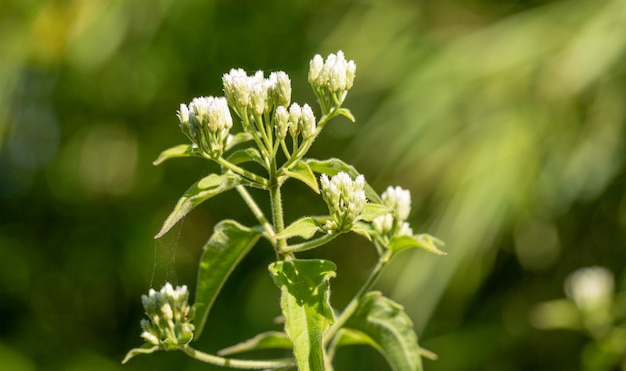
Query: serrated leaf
[199, 192]
[373, 211]
[423, 241]
[238, 138]
[265, 340]
[183, 150]
[146, 349]
[246, 155]
[389, 329]
[228, 244]
[304, 286]
[304, 227]
[303, 173]
[333, 166]
[347, 114]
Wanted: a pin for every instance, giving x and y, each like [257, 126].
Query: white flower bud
[295, 115]
[150, 338]
[307, 122]
[399, 200]
[281, 87]
[383, 223]
[281, 122]
[315, 68]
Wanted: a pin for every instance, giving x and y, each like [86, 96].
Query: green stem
[254, 207]
[308, 245]
[243, 172]
[351, 307]
[237, 363]
[277, 207]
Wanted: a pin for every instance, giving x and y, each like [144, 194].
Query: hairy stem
[237, 363]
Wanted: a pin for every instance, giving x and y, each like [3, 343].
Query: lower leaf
[383, 324]
[304, 286]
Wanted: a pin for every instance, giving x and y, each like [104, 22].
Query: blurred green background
[504, 118]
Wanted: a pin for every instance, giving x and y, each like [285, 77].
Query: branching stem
[237, 363]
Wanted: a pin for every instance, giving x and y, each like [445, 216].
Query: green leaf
[333, 166]
[303, 173]
[265, 340]
[145, 349]
[239, 138]
[423, 241]
[246, 155]
[304, 286]
[347, 114]
[183, 150]
[229, 243]
[303, 227]
[373, 211]
[362, 229]
[389, 330]
[199, 192]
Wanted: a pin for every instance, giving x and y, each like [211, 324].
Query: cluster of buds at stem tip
[255, 94]
[297, 121]
[169, 317]
[394, 223]
[206, 121]
[345, 199]
[331, 78]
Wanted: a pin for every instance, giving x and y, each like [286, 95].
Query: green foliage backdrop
[504, 119]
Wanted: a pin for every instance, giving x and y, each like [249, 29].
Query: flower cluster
[345, 199]
[297, 121]
[394, 224]
[206, 121]
[331, 78]
[256, 94]
[169, 317]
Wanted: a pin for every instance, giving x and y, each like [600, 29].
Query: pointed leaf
[347, 114]
[246, 155]
[229, 243]
[239, 138]
[333, 166]
[183, 150]
[303, 227]
[423, 241]
[390, 330]
[373, 211]
[145, 349]
[265, 340]
[303, 173]
[199, 192]
[304, 286]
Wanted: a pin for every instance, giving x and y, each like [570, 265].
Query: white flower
[399, 200]
[345, 199]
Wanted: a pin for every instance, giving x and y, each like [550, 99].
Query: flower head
[333, 77]
[345, 199]
[394, 224]
[169, 317]
[206, 121]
